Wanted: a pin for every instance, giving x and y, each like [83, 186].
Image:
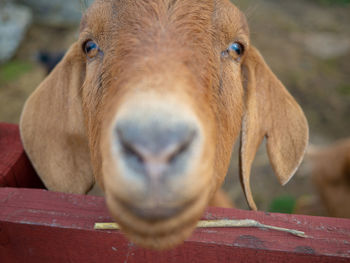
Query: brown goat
[331, 175]
[149, 102]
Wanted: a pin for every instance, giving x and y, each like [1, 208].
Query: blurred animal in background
[331, 175]
[49, 59]
[149, 102]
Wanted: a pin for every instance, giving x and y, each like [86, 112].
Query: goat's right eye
[90, 48]
[235, 51]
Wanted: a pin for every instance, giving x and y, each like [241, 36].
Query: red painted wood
[15, 168]
[43, 226]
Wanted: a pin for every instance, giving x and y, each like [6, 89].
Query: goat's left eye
[90, 48]
[237, 47]
[235, 51]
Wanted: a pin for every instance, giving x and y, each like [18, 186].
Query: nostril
[182, 147]
[129, 150]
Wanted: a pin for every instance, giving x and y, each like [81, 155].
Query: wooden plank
[43, 226]
[15, 168]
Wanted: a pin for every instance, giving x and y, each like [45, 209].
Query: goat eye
[237, 47]
[235, 51]
[90, 48]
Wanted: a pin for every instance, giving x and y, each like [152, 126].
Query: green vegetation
[13, 70]
[283, 204]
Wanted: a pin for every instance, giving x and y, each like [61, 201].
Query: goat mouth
[157, 212]
[159, 231]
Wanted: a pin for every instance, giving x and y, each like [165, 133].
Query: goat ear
[52, 128]
[271, 112]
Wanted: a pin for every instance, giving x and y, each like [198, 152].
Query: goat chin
[158, 234]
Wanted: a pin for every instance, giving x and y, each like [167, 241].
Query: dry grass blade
[246, 223]
[219, 223]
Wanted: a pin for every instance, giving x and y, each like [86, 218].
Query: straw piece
[219, 223]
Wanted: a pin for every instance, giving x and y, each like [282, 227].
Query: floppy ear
[52, 128]
[271, 112]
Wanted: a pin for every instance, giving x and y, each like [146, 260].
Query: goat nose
[153, 149]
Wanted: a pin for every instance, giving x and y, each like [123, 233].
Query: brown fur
[163, 50]
[331, 175]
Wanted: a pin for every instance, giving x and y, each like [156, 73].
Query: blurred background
[305, 42]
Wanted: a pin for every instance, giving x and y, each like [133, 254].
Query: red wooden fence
[15, 168]
[42, 226]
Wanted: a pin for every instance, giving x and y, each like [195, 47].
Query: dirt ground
[304, 42]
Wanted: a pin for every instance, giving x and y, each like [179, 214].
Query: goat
[148, 103]
[331, 176]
